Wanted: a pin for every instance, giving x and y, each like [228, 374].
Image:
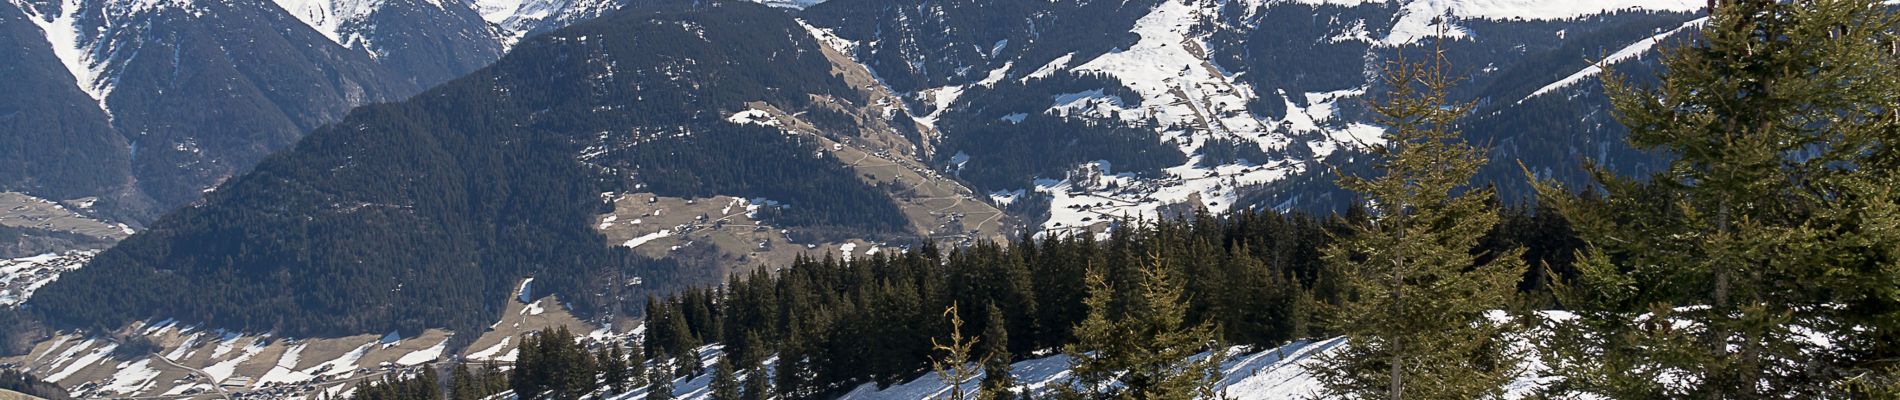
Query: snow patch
[426, 355]
[1632, 51]
[131, 377]
[491, 351]
[78, 53]
[754, 117]
[792, 4]
[644, 239]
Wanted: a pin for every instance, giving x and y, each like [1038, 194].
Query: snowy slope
[1635, 50]
[1270, 374]
[1184, 90]
[329, 17]
[797, 4]
[519, 18]
[1176, 68]
[19, 277]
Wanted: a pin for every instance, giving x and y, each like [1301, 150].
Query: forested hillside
[495, 176]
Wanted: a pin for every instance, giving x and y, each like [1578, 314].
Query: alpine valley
[291, 198]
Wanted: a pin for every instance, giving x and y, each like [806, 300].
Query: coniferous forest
[1759, 261]
[1710, 279]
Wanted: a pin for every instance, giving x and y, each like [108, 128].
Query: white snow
[1014, 118]
[491, 351]
[286, 369]
[63, 32]
[224, 369]
[643, 239]
[755, 117]
[794, 4]
[1050, 69]
[522, 294]
[328, 17]
[1193, 99]
[343, 366]
[1635, 50]
[1526, 9]
[845, 250]
[83, 361]
[1415, 17]
[497, 11]
[20, 277]
[131, 377]
[425, 355]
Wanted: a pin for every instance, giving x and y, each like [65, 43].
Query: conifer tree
[462, 383]
[998, 383]
[1774, 220]
[660, 378]
[753, 351]
[636, 367]
[613, 366]
[758, 386]
[1415, 295]
[953, 367]
[1150, 350]
[683, 343]
[529, 378]
[725, 381]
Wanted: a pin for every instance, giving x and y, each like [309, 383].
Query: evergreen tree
[1416, 295]
[1150, 350]
[953, 368]
[758, 386]
[998, 383]
[462, 383]
[570, 366]
[660, 378]
[529, 378]
[636, 367]
[613, 366]
[683, 343]
[725, 381]
[1773, 222]
[752, 353]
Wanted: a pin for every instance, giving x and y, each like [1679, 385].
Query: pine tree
[461, 383]
[725, 381]
[1774, 219]
[636, 367]
[613, 366]
[660, 378]
[1416, 295]
[998, 381]
[569, 366]
[753, 351]
[758, 386]
[953, 368]
[1150, 350]
[683, 343]
[528, 379]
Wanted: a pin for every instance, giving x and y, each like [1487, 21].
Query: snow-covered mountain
[143, 105]
[727, 135]
[1286, 81]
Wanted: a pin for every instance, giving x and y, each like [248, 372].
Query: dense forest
[1259, 276]
[1010, 135]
